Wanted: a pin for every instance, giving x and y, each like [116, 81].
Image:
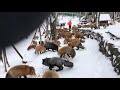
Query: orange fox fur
[64, 50]
[74, 42]
[31, 46]
[67, 40]
[56, 42]
[68, 34]
[40, 49]
[74, 28]
[20, 70]
[79, 35]
[64, 32]
[50, 74]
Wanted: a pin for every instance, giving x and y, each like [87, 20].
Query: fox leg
[25, 76]
[40, 52]
[60, 56]
[48, 49]
[68, 55]
[77, 48]
[116, 69]
[60, 68]
[53, 50]
[50, 67]
[81, 46]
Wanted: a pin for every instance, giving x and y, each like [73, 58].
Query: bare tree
[53, 20]
[98, 20]
[113, 16]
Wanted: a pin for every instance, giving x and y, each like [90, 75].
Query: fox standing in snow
[51, 45]
[50, 74]
[66, 50]
[20, 70]
[40, 49]
[56, 42]
[67, 40]
[75, 43]
[56, 61]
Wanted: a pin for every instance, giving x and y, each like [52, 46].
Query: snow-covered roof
[104, 17]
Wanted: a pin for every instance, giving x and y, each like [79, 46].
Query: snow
[88, 63]
[104, 17]
[114, 29]
[66, 19]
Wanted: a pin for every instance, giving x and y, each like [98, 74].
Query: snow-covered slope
[88, 63]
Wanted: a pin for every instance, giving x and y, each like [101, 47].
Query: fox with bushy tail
[66, 50]
[56, 61]
[20, 70]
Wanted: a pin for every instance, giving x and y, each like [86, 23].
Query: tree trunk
[113, 16]
[40, 34]
[53, 20]
[79, 16]
[47, 23]
[98, 20]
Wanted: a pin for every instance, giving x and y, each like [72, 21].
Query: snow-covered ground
[88, 63]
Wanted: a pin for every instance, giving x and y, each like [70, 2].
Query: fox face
[45, 61]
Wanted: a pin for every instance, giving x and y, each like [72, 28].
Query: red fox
[20, 70]
[79, 35]
[65, 33]
[66, 50]
[56, 42]
[75, 43]
[31, 46]
[74, 28]
[40, 49]
[67, 40]
[50, 74]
